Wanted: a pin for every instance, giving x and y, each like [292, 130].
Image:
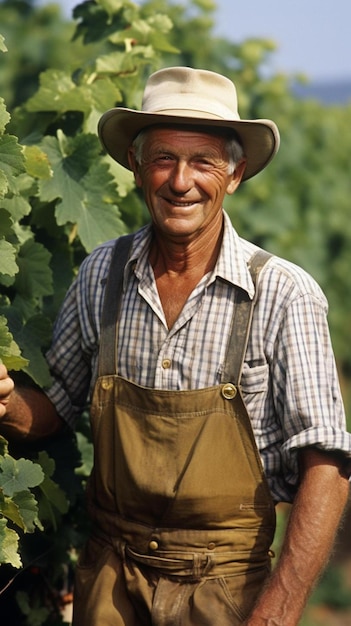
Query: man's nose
[181, 177]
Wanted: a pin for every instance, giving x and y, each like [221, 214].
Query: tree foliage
[60, 196]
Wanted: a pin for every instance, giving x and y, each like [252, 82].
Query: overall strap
[112, 303]
[241, 322]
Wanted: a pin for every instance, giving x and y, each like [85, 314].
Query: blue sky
[312, 36]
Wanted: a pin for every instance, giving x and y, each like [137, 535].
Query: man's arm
[314, 519]
[25, 412]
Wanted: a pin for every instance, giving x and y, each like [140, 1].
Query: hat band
[194, 113]
[193, 106]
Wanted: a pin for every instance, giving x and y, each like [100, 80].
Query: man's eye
[203, 163]
[163, 158]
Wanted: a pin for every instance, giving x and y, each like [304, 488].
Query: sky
[312, 36]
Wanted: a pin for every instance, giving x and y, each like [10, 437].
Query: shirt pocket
[255, 385]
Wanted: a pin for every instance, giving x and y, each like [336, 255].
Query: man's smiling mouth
[177, 203]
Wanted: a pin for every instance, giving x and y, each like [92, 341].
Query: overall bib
[183, 519]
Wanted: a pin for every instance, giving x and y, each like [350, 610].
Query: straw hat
[181, 95]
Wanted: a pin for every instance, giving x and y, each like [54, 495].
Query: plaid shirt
[289, 379]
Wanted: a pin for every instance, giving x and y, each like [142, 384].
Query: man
[201, 419]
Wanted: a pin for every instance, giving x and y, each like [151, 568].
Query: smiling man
[211, 380]
[184, 178]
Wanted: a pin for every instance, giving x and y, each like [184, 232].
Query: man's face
[184, 177]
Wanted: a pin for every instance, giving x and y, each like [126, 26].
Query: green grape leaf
[17, 206]
[111, 6]
[72, 97]
[56, 82]
[9, 351]
[32, 337]
[70, 159]
[87, 453]
[37, 162]
[22, 510]
[79, 153]
[18, 475]
[35, 335]
[11, 159]
[6, 224]
[3, 184]
[103, 92]
[4, 114]
[38, 328]
[96, 215]
[46, 463]
[53, 502]
[35, 277]
[7, 257]
[10, 510]
[86, 187]
[52, 491]
[4, 447]
[9, 545]
[123, 178]
[54, 495]
[3, 47]
[114, 62]
[28, 509]
[151, 35]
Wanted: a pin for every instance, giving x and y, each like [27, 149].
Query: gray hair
[233, 146]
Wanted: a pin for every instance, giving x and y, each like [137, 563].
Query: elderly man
[213, 385]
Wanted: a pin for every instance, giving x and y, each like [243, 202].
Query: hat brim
[118, 128]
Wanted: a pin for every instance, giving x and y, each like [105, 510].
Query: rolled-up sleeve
[312, 412]
[290, 380]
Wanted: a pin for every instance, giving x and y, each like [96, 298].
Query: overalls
[183, 519]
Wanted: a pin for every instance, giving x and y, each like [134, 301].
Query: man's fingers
[6, 387]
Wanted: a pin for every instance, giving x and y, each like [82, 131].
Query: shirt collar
[231, 264]
[232, 260]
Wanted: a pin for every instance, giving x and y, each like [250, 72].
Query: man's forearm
[308, 542]
[29, 415]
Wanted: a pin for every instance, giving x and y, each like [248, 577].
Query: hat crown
[194, 92]
[191, 97]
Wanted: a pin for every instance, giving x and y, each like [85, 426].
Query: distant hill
[327, 92]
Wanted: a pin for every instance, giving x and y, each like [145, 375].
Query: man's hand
[6, 388]
[25, 412]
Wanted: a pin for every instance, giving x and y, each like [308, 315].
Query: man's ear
[236, 177]
[134, 166]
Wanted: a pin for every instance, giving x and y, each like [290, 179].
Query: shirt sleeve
[290, 380]
[72, 357]
[308, 396]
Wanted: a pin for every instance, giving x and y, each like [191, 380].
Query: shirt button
[211, 545]
[166, 364]
[153, 545]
